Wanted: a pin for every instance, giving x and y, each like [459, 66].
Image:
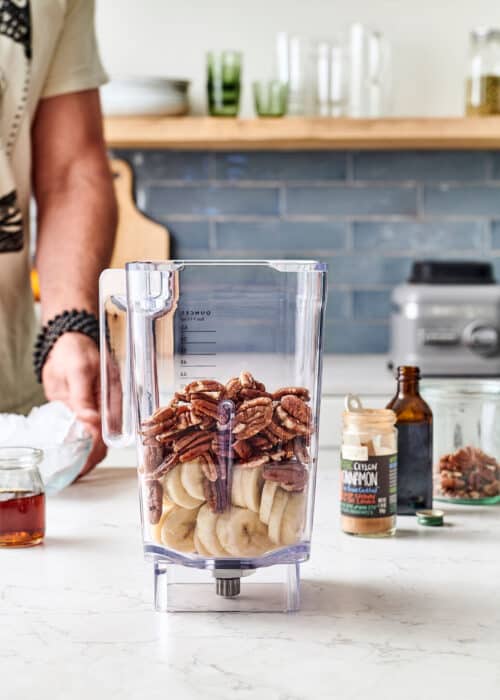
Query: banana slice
[192, 479]
[242, 534]
[237, 495]
[293, 520]
[206, 532]
[276, 517]
[200, 548]
[178, 527]
[156, 529]
[176, 491]
[266, 500]
[251, 482]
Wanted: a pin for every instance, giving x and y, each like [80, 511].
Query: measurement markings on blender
[196, 343]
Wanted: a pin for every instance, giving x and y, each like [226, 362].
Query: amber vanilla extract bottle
[414, 425]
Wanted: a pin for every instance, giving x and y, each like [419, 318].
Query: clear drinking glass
[224, 83]
[270, 98]
[331, 79]
[222, 363]
[22, 498]
[369, 73]
[294, 62]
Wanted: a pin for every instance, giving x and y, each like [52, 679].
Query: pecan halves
[192, 444]
[152, 456]
[247, 380]
[232, 388]
[300, 450]
[170, 461]
[154, 496]
[159, 416]
[242, 449]
[203, 385]
[469, 473]
[253, 462]
[253, 416]
[299, 391]
[205, 407]
[154, 429]
[215, 493]
[254, 394]
[292, 423]
[291, 476]
[208, 466]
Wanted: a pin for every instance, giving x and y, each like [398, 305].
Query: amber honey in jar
[22, 497]
[369, 460]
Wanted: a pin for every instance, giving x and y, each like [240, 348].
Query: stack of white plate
[145, 96]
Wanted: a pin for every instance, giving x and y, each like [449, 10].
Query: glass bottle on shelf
[483, 80]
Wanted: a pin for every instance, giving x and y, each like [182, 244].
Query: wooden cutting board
[137, 236]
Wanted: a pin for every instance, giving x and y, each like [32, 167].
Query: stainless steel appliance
[446, 320]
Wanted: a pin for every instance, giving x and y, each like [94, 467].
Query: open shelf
[296, 133]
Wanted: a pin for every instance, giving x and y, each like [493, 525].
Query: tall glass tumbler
[224, 83]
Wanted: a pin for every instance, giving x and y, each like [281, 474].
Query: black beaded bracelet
[68, 322]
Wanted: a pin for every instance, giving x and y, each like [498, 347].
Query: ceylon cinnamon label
[369, 486]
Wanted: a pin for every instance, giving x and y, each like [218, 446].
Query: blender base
[268, 589]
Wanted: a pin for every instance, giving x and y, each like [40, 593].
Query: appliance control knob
[482, 338]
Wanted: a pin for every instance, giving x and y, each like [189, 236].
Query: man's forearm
[76, 227]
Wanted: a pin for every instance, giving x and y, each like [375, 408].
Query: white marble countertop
[416, 616]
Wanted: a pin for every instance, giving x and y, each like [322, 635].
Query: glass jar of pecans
[369, 462]
[467, 439]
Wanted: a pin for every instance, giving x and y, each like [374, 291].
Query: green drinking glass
[224, 83]
[270, 97]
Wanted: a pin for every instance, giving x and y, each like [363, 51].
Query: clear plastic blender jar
[213, 368]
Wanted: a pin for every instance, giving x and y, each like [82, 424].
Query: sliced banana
[156, 529]
[292, 522]
[199, 546]
[276, 517]
[266, 500]
[206, 532]
[176, 491]
[251, 482]
[192, 479]
[178, 527]
[242, 534]
[237, 495]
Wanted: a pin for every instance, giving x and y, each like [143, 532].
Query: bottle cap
[431, 517]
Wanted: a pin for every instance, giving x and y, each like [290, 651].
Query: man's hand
[71, 375]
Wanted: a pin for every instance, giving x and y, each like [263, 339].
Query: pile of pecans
[239, 423]
[468, 473]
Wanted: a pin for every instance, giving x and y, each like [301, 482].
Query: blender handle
[116, 410]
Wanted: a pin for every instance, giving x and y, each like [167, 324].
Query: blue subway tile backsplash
[420, 236]
[462, 200]
[279, 235]
[367, 214]
[349, 200]
[212, 200]
[286, 165]
[421, 166]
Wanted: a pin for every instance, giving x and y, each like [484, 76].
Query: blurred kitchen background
[367, 213]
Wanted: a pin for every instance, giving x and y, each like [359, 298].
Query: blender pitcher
[214, 369]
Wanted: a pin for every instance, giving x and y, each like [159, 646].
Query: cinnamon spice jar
[368, 471]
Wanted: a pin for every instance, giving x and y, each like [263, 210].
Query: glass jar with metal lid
[483, 80]
[466, 450]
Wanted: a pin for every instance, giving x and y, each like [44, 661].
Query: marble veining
[417, 616]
